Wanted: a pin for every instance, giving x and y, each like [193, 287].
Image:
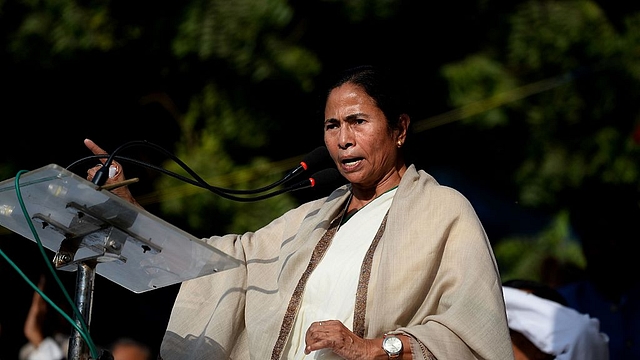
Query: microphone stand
[85, 279]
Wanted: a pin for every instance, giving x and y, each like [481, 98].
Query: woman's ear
[403, 127]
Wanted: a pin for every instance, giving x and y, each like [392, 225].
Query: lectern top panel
[81, 222]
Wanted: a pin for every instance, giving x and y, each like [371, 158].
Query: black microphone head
[319, 158]
[321, 179]
[325, 177]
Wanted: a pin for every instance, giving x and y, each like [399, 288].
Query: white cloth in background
[49, 349]
[554, 328]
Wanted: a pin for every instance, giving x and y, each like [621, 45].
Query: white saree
[331, 289]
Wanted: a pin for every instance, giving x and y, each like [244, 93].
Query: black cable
[319, 157]
[123, 159]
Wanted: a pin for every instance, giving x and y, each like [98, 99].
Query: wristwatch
[392, 345]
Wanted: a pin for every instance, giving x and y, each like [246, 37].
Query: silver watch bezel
[390, 351]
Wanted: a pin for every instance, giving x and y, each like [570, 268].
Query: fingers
[333, 336]
[115, 172]
[36, 295]
[95, 149]
[41, 282]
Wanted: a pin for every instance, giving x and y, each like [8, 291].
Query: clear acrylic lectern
[94, 231]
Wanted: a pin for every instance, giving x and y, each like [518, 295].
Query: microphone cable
[318, 158]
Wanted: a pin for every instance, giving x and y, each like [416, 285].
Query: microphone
[318, 158]
[100, 177]
[321, 178]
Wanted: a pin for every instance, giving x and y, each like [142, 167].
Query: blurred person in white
[48, 339]
[44, 331]
[542, 327]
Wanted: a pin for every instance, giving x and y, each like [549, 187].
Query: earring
[399, 143]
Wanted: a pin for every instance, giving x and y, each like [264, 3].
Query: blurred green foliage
[551, 90]
[578, 124]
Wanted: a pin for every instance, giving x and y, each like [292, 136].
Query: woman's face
[358, 138]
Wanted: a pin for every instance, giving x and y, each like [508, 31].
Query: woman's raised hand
[116, 173]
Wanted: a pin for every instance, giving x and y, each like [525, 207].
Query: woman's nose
[345, 139]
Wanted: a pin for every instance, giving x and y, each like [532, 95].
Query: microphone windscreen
[319, 158]
[325, 177]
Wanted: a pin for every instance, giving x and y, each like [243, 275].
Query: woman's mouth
[350, 164]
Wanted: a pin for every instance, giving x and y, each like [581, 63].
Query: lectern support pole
[78, 349]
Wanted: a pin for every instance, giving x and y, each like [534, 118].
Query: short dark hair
[383, 85]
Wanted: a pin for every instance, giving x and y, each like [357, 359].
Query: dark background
[50, 110]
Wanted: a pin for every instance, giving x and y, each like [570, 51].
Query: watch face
[392, 345]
